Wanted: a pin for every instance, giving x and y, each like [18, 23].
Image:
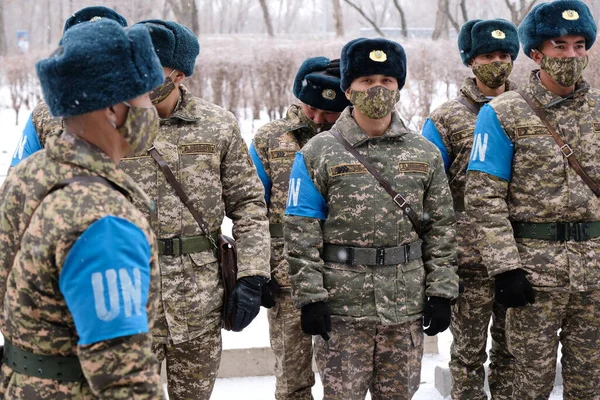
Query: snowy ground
[256, 335]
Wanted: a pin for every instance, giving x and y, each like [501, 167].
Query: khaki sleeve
[245, 205]
[485, 201]
[439, 236]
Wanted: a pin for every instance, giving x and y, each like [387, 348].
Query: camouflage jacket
[352, 209]
[518, 173]
[273, 150]
[203, 147]
[38, 234]
[40, 126]
[450, 127]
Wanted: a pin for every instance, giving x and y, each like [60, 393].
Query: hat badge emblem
[378, 56]
[329, 94]
[570, 15]
[498, 34]
[96, 18]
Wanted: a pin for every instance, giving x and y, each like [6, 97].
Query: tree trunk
[402, 18]
[463, 9]
[441, 21]
[195, 27]
[265, 10]
[339, 19]
[366, 17]
[3, 47]
[49, 26]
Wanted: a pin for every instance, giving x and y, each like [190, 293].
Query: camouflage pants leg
[293, 351]
[362, 356]
[531, 334]
[469, 326]
[192, 366]
[580, 341]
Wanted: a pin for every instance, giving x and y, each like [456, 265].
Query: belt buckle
[398, 202]
[168, 247]
[350, 255]
[569, 152]
[380, 256]
[563, 231]
[579, 231]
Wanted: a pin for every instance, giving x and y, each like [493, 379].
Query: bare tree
[441, 20]
[17, 75]
[268, 23]
[2, 32]
[402, 18]
[186, 12]
[519, 9]
[463, 9]
[366, 17]
[337, 16]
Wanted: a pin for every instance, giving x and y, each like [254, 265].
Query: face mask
[376, 102]
[159, 94]
[493, 75]
[312, 125]
[565, 71]
[140, 127]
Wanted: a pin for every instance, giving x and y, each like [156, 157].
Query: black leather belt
[372, 255]
[557, 231]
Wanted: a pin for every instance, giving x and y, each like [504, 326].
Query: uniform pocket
[207, 288]
[346, 288]
[411, 287]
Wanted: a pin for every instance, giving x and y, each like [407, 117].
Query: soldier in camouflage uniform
[538, 222]
[365, 281]
[317, 86]
[41, 124]
[489, 48]
[78, 261]
[202, 145]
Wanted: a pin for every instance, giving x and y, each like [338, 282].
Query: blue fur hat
[555, 19]
[317, 84]
[478, 37]
[98, 65]
[94, 13]
[176, 46]
[363, 57]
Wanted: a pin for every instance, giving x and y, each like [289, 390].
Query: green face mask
[376, 102]
[140, 128]
[565, 71]
[312, 125]
[493, 75]
[159, 94]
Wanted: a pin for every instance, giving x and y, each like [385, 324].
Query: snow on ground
[256, 335]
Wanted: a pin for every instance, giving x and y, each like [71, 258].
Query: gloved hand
[316, 319]
[513, 289]
[268, 292]
[436, 315]
[244, 303]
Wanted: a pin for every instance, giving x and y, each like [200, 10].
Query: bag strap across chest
[397, 197]
[474, 108]
[564, 147]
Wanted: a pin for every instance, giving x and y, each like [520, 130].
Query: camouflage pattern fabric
[293, 351]
[45, 124]
[276, 144]
[532, 338]
[364, 355]
[33, 247]
[202, 144]
[186, 377]
[543, 188]
[375, 102]
[361, 214]
[471, 315]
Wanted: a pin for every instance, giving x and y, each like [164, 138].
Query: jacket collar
[548, 99]
[470, 90]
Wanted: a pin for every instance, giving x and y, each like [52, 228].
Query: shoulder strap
[88, 179]
[564, 147]
[397, 197]
[164, 166]
[472, 107]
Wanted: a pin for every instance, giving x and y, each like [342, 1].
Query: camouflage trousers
[292, 349]
[533, 338]
[192, 366]
[361, 356]
[469, 326]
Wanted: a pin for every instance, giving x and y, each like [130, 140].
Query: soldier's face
[364, 83]
[320, 116]
[561, 47]
[489, 58]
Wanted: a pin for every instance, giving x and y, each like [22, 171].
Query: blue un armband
[262, 173]
[304, 199]
[29, 143]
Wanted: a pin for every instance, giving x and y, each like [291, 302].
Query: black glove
[436, 315]
[244, 302]
[513, 289]
[316, 319]
[268, 292]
